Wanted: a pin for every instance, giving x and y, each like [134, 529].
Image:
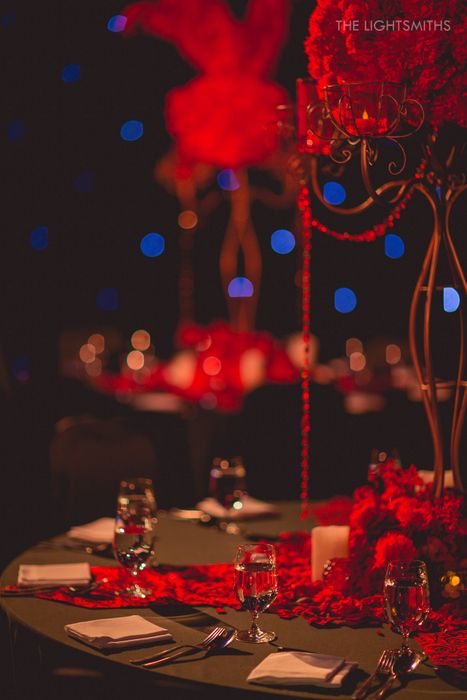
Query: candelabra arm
[402, 185]
[460, 400]
[427, 381]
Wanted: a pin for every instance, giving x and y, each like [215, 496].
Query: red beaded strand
[308, 224]
[380, 229]
[303, 204]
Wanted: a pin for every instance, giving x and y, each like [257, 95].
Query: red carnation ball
[393, 546]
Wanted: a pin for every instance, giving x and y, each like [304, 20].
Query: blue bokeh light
[334, 193]
[132, 130]
[240, 287]
[394, 246]
[345, 300]
[451, 299]
[85, 182]
[20, 368]
[152, 245]
[227, 180]
[117, 23]
[39, 238]
[71, 73]
[107, 299]
[282, 241]
[16, 130]
[8, 19]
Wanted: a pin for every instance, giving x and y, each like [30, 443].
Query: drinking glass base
[255, 636]
[135, 591]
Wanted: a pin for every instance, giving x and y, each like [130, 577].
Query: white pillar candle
[428, 477]
[327, 542]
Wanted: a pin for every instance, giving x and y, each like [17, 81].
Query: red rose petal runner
[319, 603]
[395, 517]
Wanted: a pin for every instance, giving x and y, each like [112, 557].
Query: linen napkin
[250, 508]
[117, 632]
[100, 531]
[44, 575]
[301, 668]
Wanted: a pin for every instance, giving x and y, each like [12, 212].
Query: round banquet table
[42, 623]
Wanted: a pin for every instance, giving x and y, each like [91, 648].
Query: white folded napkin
[44, 575]
[117, 632]
[301, 668]
[100, 531]
[250, 508]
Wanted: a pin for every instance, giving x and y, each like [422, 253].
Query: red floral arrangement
[420, 43]
[221, 116]
[395, 518]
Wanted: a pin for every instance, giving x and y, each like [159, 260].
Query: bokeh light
[212, 365]
[187, 219]
[357, 361]
[240, 287]
[8, 19]
[71, 73]
[141, 340]
[393, 354]
[282, 241]
[345, 300]
[132, 130]
[94, 369]
[87, 353]
[107, 299]
[227, 180]
[334, 193]
[20, 368]
[15, 130]
[394, 246]
[208, 401]
[39, 238]
[135, 360]
[152, 245]
[451, 299]
[353, 345]
[97, 340]
[85, 181]
[117, 23]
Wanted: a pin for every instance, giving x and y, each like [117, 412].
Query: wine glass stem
[254, 620]
[405, 641]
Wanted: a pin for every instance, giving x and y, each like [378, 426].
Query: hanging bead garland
[305, 213]
[307, 225]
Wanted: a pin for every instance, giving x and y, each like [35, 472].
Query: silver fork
[216, 632]
[383, 668]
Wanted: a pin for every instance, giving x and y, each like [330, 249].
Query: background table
[40, 649]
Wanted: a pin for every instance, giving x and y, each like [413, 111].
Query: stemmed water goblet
[255, 586]
[134, 532]
[407, 598]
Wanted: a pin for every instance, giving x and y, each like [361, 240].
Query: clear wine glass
[134, 532]
[255, 586]
[407, 598]
[227, 481]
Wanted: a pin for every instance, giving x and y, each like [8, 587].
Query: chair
[88, 459]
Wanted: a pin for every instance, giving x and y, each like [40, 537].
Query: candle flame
[365, 114]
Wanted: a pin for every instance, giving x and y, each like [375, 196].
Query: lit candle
[327, 542]
[366, 124]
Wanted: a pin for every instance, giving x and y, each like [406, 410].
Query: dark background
[71, 131]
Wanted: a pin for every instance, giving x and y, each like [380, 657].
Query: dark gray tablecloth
[188, 543]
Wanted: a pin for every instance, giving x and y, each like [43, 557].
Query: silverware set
[391, 664]
[219, 638]
[27, 591]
